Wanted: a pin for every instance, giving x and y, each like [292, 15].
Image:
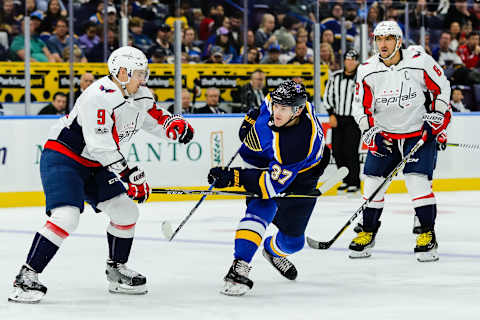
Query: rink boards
[171, 164]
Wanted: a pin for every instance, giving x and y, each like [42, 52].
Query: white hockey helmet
[130, 58]
[387, 28]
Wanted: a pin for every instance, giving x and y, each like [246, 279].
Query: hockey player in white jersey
[81, 161]
[401, 96]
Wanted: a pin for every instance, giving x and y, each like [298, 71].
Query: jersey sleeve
[437, 84]
[363, 102]
[99, 131]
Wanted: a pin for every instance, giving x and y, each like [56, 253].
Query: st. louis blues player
[81, 161]
[401, 96]
[283, 149]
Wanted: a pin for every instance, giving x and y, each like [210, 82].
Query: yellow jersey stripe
[263, 187]
[314, 128]
[308, 168]
[277, 147]
[249, 235]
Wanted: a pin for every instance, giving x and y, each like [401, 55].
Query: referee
[338, 98]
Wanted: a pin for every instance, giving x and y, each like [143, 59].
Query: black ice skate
[342, 188]
[362, 245]
[426, 249]
[237, 282]
[285, 267]
[124, 280]
[26, 287]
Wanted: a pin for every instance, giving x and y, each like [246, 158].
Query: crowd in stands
[279, 32]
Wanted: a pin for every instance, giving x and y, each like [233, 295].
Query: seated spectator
[252, 94]
[225, 42]
[273, 55]
[207, 26]
[77, 54]
[328, 57]
[470, 52]
[263, 36]
[445, 56]
[89, 39]
[140, 40]
[212, 96]
[179, 15]
[58, 105]
[216, 55]
[459, 13]
[46, 5]
[334, 23]
[159, 56]
[285, 35]
[163, 40]
[457, 101]
[85, 81]
[194, 53]
[253, 56]
[60, 40]
[455, 33]
[38, 49]
[10, 19]
[328, 37]
[52, 14]
[186, 103]
[96, 54]
[300, 55]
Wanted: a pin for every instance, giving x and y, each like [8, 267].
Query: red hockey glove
[177, 127]
[377, 142]
[434, 124]
[138, 188]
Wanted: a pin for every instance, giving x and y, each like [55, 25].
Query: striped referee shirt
[338, 95]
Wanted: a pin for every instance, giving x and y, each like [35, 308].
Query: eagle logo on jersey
[102, 88]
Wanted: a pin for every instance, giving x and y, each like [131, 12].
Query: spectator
[328, 57]
[250, 43]
[457, 101]
[328, 37]
[302, 37]
[90, 39]
[252, 94]
[96, 54]
[97, 18]
[206, 28]
[334, 23]
[224, 41]
[216, 55]
[446, 57]
[300, 55]
[163, 40]
[285, 35]
[179, 15]
[58, 105]
[53, 13]
[60, 40]
[323, 10]
[470, 52]
[236, 30]
[194, 53]
[9, 21]
[140, 40]
[159, 56]
[186, 103]
[273, 55]
[31, 7]
[85, 81]
[38, 49]
[459, 13]
[455, 33]
[263, 36]
[253, 56]
[78, 55]
[212, 96]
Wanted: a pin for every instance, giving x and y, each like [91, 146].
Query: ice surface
[184, 276]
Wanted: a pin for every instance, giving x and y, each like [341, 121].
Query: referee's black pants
[345, 144]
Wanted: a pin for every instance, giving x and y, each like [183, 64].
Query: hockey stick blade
[167, 230]
[474, 147]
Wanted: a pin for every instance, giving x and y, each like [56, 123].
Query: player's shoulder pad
[367, 67]
[144, 96]
[104, 92]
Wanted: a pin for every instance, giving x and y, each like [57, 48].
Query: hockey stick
[327, 185]
[167, 227]
[325, 245]
[473, 147]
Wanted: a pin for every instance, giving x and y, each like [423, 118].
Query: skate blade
[234, 289]
[359, 255]
[119, 288]
[430, 256]
[29, 296]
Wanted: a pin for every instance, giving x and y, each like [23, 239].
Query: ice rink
[184, 276]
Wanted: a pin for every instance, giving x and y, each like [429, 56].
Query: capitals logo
[102, 88]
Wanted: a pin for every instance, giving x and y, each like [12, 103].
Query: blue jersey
[281, 153]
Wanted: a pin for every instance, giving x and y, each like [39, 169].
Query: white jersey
[396, 98]
[101, 120]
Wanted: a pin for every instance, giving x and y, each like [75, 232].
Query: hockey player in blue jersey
[81, 161]
[283, 150]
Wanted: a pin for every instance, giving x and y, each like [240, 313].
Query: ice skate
[282, 264]
[426, 249]
[237, 282]
[124, 280]
[362, 245]
[342, 188]
[26, 287]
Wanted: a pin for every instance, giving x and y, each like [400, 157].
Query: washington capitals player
[284, 151]
[401, 96]
[81, 161]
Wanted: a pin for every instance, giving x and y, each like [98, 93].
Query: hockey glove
[138, 188]
[248, 122]
[177, 127]
[442, 141]
[434, 123]
[221, 177]
[379, 144]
